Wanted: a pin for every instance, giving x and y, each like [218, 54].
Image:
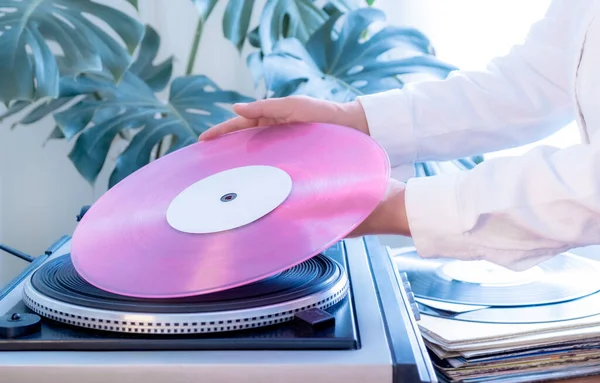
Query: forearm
[514, 212]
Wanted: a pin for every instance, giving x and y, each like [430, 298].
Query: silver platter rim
[181, 323]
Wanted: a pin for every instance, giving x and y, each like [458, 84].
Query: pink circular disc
[230, 211]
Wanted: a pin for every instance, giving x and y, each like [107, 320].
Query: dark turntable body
[345, 315]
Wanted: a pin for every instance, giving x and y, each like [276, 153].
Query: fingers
[232, 125]
[251, 114]
[274, 108]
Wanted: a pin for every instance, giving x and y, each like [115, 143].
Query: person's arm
[512, 211]
[519, 99]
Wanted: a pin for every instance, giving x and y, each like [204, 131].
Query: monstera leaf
[289, 18]
[341, 66]
[156, 76]
[193, 106]
[282, 19]
[134, 3]
[236, 21]
[278, 19]
[30, 69]
[103, 109]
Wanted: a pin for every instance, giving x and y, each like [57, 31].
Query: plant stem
[195, 44]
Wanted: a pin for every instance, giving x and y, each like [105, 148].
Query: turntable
[55, 328]
[223, 261]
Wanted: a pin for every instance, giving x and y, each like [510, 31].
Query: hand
[390, 215]
[288, 110]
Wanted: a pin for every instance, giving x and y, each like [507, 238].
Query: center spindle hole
[228, 197]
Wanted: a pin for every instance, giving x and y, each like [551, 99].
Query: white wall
[40, 191]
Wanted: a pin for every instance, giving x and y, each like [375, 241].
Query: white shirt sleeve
[513, 211]
[520, 98]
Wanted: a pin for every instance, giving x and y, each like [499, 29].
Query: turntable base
[372, 336]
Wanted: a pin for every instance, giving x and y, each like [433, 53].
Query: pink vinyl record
[230, 211]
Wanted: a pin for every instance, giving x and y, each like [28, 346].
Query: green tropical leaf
[134, 3]
[341, 6]
[204, 7]
[236, 21]
[254, 63]
[30, 70]
[155, 76]
[278, 19]
[289, 19]
[282, 19]
[14, 108]
[130, 105]
[103, 109]
[342, 66]
[330, 8]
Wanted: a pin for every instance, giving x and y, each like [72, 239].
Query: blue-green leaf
[29, 69]
[342, 66]
[14, 108]
[341, 6]
[254, 63]
[282, 19]
[254, 38]
[204, 7]
[134, 3]
[279, 19]
[155, 76]
[237, 20]
[194, 105]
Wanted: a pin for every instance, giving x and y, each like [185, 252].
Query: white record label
[229, 199]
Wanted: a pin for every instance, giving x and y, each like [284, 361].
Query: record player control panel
[410, 295]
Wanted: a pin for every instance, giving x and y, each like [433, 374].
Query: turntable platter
[57, 291]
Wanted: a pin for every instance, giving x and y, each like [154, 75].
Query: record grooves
[565, 287]
[560, 279]
[58, 279]
[173, 228]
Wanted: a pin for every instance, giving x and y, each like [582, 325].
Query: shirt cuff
[433, 212]
[390, 124]
[438, 230]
